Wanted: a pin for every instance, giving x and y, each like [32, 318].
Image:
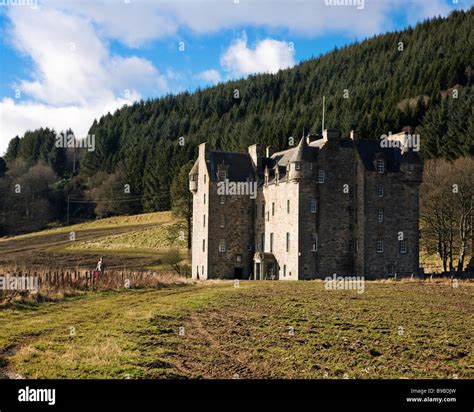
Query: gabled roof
[240, 165]
[369, 149]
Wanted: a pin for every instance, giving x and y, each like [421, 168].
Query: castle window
[197, 270]
[380, 166]
[268, 216]
[262, 241]
[380, 190]
[222, 245]
[204, 221]
[287, 242]
[205, 178]
[411, 167]
[204, 245]
[389, 269]
[379, 245]
[273, 208]
[284, 270]
[297, 165]
[321, 176]
[204, 198]
[202, 267]
[380, 215]
[222, 224]
[271, 242]
[313, 206]
[402, 246]
[314, 242]
[222, 199]
[288, 206]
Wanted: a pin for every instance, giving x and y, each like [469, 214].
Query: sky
[64, 63]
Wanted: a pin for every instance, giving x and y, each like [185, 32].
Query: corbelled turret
[301, 163]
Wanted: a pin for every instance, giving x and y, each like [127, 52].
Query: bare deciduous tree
[446, 209]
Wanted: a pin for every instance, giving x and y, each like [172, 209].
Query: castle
[330, 205]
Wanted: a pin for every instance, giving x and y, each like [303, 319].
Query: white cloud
[16, 118]
[74, 79]
[139, 22]
[210, 76]
[268, 56]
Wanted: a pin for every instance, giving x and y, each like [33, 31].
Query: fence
[25, 282]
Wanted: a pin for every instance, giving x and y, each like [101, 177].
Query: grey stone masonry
[330, 205]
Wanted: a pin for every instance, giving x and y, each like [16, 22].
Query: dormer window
[380, 164]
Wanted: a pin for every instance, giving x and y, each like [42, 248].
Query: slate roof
[368, 149]
[240, 165]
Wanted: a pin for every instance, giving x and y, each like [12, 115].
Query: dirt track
[41, 251]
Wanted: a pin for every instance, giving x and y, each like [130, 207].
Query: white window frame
[222, 246]
[380, 166]
[379, 246]
[380, 216]
[313, 206]
[402, 246]
[380, 191]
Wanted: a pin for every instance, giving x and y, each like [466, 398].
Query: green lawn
[258, 330]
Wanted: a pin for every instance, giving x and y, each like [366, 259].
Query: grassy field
[258, 330]
[132, 242]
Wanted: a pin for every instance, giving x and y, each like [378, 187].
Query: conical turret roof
[303, 152]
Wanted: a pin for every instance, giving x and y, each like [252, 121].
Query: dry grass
[395, 329]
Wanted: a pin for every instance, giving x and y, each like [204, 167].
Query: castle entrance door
[238, 273]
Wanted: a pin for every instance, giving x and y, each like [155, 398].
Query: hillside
[134, 242]
[419, 77]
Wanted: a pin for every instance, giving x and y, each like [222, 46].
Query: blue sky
[64, 63]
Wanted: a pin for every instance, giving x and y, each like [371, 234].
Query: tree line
[418, 77]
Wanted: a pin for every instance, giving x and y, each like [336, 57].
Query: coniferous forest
[420, 77]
